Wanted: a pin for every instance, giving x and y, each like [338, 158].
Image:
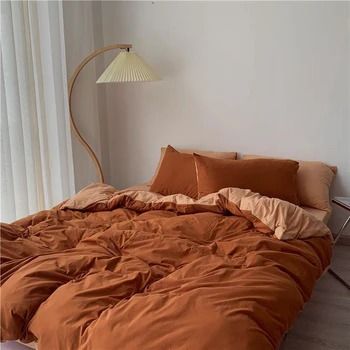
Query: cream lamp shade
[127, 67]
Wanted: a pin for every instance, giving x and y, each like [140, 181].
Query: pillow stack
[314, 180]
[212, 154]
[270, 177]
[197, 175]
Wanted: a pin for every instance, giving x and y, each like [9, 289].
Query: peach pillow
[270, 177]
[314, 180]
[212, 154]
[177, 174]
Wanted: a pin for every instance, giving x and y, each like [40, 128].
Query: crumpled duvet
[137, 270]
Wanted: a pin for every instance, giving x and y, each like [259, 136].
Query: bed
[135, 269]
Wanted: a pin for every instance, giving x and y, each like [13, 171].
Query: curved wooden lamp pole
[71, 84]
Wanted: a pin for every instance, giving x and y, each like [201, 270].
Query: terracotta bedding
[136, 270]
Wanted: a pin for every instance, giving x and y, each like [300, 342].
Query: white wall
[83, 34]
[266, 78]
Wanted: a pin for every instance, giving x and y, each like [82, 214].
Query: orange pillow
[270, 177]
[314, 180]
[176, 174]
[212, 154]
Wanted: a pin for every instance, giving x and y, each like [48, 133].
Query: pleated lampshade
[127, 67]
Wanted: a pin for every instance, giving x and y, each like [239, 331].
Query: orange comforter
[135, 270]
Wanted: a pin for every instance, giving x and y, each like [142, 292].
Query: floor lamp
[126, 67]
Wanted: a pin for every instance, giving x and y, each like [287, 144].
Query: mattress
[133, 269]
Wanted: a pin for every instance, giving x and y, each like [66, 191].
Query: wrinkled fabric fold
[286, 220]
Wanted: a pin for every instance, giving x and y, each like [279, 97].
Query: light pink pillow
[314, 180]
